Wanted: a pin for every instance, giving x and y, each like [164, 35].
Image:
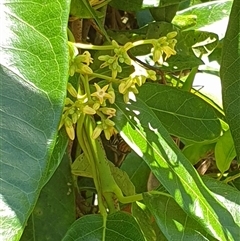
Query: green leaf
[145, 220]
[119, 226]
[184, 21]
[165, 13]
[182, 113]
[228, 196]
[144, 133]
[81, 167]
[137, 170]
[123, 181]
[224, 151]
[194, 152]
[57, 154]
[172, 220]
[230, 75]
[201, 42]
[56, 200]
[33, 73]
[211, 16]
[79, 9]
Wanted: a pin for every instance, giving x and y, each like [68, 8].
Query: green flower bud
[172, 34]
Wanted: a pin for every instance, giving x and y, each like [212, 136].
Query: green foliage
[62, 104]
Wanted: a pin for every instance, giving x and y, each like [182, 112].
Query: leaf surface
[119, 226]
[33, 73]
[210, 16]
[224, 151]
[172, 220]
[183, 114]
[230, 74]
[144, 133]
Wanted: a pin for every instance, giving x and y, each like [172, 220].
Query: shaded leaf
[197, 151]
[81, 167]
[119, 226]
[137, 170]
[145, 220]
[55, 208]
[34, 71]
[182, 113]
[230, 75]
[123, 181]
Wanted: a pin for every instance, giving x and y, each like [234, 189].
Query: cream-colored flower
[107, 126]
[108, 111]
[101, 94]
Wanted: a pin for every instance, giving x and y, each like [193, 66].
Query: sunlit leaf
[33, 74]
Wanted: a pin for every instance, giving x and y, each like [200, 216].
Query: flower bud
[72, 91]
[97, 131]
[108, 111]
[70, 132]
[88, 110]
[172, 34]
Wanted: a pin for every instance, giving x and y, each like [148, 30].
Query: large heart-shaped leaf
[33, 73]
[145, 134]
[56, 200]
[183, 114]
[118, 227]
[230, 74]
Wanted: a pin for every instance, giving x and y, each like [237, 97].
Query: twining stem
[229, 179]
[110, 47]
[108, 183]
[83, 141]
[101, 76]
[86, 86]
[93, 47]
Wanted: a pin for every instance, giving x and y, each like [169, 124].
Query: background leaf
[137, 170]
[119, 226]
[33, 73]
[55, 208]
[182, 113]
[230, 75]
[224, 151]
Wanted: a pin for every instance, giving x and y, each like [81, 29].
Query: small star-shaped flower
[101, 93]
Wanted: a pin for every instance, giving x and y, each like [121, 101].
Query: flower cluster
[105, 113]
[164, 46]
[128, 85]
[73, 110]
[79, 63]
[120, 56]
[84, 101]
